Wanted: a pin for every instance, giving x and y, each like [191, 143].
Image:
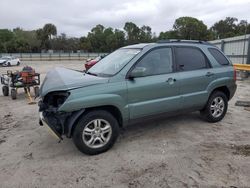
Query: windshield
[114, 62]
[97, 58]
[5, 58]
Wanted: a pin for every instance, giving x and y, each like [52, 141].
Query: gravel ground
[181, 151]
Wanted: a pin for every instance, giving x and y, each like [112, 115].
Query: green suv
[136, 82]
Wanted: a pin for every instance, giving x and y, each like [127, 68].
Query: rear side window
[220, 58]
[190, 59]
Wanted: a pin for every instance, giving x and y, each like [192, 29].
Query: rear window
[218, 56]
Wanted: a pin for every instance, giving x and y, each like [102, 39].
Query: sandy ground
[181, 151]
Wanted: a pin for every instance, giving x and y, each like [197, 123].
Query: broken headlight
[53, 100]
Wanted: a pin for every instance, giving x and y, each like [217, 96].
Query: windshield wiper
[99, 74]
[104, 75]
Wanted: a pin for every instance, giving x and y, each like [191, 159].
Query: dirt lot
[181, 151]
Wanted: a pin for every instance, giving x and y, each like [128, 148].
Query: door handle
[171, 80]
[209, 74]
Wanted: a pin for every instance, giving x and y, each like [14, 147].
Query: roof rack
[183, 41]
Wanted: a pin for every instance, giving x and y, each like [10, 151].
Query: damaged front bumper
[51, 128]
[49, 114]
[59, 123]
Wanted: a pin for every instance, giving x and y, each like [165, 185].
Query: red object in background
[28, 75]
[89, 64]
[92, 62]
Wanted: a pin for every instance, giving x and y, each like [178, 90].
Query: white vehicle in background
[9, 61]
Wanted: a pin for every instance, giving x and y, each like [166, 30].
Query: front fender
[74, 103]
[70, 122]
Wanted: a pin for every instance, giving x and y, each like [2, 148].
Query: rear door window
[190, 58]
[218, 56]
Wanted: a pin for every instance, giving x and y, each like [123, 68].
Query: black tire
[18, 63]
[36, 91]
[8, 64]
[5, 90]
[84, 121]
[13, 94]
[207, 113]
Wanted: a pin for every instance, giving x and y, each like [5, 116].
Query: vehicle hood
[2, 61]
[62, 79]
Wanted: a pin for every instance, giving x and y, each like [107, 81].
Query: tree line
[102, 39]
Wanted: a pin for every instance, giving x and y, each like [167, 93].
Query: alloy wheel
[217, 107]
[97, 133]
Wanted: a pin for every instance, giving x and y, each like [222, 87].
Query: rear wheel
[36, 91]
[216, 107]
[5, 90]
[96, 132]
[13, 94]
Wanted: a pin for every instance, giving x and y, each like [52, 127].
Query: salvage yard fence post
[248, 52]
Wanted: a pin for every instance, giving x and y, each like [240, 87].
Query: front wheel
[96, 132]
[5, 90]
[13, 94]
[216, 107]
[36, 91]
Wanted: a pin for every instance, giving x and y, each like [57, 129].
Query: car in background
[9, 61]
[90, 63]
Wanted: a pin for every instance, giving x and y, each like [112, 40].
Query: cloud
[77, 17]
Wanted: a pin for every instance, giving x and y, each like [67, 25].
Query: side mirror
[137, 72]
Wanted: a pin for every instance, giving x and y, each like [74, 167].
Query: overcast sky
[77, 17]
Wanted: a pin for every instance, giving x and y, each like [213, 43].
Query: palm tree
[49, 30]
[45, 34]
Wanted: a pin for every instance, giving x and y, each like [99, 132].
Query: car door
[195, 75]
[12, 61]
[157, 91]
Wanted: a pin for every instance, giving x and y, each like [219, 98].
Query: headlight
[55, 99]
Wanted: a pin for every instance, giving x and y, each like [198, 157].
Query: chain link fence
[52, 56]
